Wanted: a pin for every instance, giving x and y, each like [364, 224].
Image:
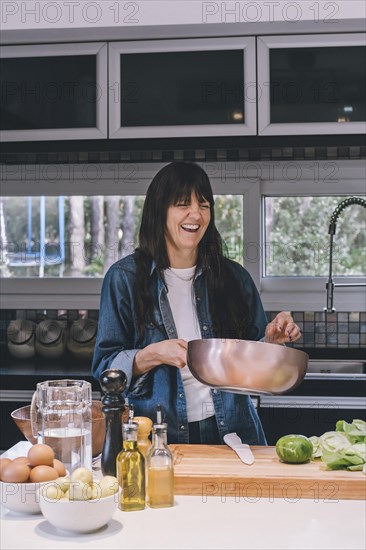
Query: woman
[178, 286]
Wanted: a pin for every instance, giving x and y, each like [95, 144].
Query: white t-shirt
[182, 303]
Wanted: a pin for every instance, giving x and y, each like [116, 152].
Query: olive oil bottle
[160, 471]
[131, 471]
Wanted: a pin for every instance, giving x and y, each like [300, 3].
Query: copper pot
[246, 367]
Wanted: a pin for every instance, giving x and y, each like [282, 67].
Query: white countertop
[211, 524]
[204, 523]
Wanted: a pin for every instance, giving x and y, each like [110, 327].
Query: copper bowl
[246, 367]
[21, 418]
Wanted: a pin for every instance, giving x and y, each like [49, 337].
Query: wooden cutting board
[215, 470]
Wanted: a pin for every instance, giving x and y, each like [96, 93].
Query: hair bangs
[189, 178]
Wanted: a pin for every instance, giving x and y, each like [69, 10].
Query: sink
[338, 367]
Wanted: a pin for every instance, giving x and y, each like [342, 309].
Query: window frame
[245, 43]
[309, 293]
[253, 180]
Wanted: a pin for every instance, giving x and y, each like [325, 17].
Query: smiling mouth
[190, 228]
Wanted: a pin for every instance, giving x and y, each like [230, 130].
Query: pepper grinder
[113, 383]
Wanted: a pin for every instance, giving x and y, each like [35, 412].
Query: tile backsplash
[329, 330]
[188, 152]
[319, 329]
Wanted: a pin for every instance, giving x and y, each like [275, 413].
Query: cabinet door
[312, 84]
[56, 92]
[283, 415]
[179, 88]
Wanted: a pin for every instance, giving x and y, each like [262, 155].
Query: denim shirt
[117, 344]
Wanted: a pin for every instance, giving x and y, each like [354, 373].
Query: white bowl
[22, 498]
[79, 516]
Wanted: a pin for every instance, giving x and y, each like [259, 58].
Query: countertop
[194, 522]
[212, 523]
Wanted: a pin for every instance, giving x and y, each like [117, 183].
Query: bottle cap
[129, 430]
[162, 427]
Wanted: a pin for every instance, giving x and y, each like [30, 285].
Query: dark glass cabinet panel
[48, 92]
[320, 84]
[182, 88]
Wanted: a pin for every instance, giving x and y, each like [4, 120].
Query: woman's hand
[168, 352]
[282, 329]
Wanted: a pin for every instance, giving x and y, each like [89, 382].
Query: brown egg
[59, 467]
[41, 454]
[16, 473]
[3, 463]
[21, 460]
[42, 473]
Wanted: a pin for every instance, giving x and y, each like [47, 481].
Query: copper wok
[246, 367]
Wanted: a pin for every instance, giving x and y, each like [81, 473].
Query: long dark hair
[227, 302]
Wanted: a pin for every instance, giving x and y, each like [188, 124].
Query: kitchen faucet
[332, 229]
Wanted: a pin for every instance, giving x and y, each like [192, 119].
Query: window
[272, 204]
[298, 199]
[82, 236]
[297, 243]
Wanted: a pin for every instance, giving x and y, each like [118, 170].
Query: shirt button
[204, 327]
[198, 299]
[181, 396]
[170, 330]
[222, 423]
[215, 392]
[182, 428]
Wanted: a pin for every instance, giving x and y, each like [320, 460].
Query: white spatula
[242, 449]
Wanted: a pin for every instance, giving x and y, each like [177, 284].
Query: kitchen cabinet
[311, 84]
[316, 405]
[180, 88]
[53, 92]
[308, 84]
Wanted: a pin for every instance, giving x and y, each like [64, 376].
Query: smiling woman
[179, 286]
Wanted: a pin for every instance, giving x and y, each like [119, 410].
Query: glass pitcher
[61, 414]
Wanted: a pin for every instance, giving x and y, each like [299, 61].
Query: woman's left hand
[282, 329]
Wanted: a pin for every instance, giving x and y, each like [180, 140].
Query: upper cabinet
[181, 88]
[311, 84]
[53, 92]
[303, 84]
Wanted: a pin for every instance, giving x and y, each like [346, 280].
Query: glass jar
[160, 470]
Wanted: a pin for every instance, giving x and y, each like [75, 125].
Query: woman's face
[186, 224]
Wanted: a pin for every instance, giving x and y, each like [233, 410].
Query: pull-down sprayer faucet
[332, 229]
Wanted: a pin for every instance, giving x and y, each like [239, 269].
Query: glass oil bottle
[160, 470]
[131, 471]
